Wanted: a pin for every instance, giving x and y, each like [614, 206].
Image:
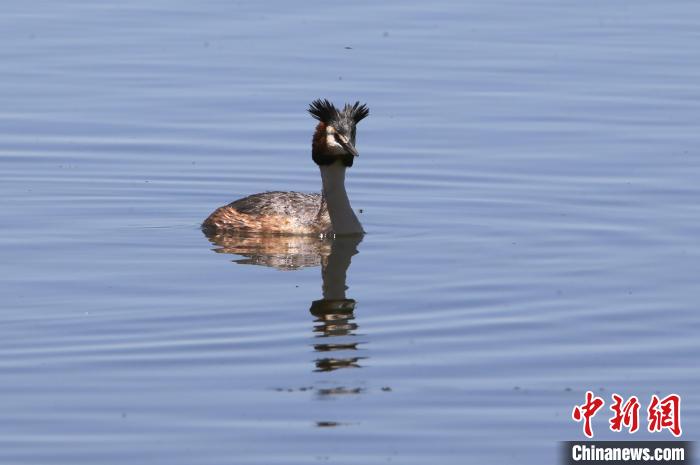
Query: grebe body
[273, 213]
[326, 213]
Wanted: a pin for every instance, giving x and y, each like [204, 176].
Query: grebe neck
[342, 217]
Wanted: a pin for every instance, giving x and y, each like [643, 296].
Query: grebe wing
[296, 204]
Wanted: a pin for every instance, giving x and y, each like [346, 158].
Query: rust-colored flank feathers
[273, 213]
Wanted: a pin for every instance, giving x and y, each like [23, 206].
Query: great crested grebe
[327, 213]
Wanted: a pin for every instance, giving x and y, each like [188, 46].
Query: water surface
[528, 179]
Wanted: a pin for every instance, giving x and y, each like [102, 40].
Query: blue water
[528, 180]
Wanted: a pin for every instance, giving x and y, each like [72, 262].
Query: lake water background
[529, 180]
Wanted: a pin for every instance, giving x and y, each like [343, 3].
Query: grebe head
[334, 138]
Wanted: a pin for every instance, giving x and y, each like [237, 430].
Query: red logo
[626, 415]
[587, 411]
[665, 414]
[661, 413]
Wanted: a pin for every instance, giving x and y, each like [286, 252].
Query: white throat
[342, 217]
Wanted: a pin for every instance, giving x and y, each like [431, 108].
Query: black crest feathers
[356, 112]
[325, 111]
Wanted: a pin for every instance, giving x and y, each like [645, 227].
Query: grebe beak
[350, 148]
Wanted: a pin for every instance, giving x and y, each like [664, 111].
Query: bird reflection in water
[286, 253]
[334, 323]
[335, 313]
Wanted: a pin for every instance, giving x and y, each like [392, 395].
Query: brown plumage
[273, 213]
[319, 148]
